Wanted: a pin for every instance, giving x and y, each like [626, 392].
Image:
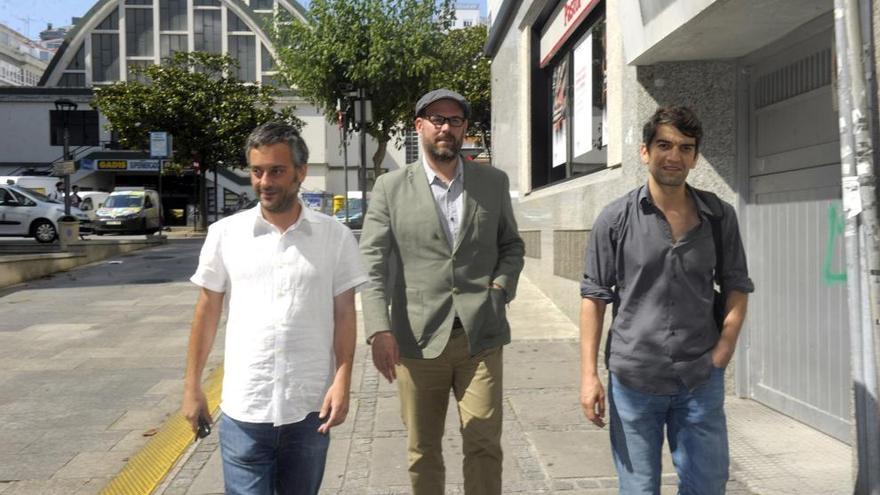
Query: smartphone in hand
[204, 427]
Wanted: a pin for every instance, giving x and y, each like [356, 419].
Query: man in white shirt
[290, 331]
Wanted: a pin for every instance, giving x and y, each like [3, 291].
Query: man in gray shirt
[652, 254]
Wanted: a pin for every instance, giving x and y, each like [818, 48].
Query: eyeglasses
[439, 120]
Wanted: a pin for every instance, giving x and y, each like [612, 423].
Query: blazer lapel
[470, 204]
[424, 204]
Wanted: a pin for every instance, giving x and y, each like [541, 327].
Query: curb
[145, 470]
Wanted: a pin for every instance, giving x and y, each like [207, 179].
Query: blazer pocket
[499, 305]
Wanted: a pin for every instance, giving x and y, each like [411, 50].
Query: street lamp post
[363, 117]
[66, 106]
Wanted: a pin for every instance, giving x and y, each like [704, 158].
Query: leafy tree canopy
[193, 97]
[387, 47]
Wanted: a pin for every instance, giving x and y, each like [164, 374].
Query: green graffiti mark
[836, 224]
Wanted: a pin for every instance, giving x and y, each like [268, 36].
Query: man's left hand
[722, 353]
[335, 408]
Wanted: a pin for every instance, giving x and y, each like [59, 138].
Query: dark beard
[445, 155]
[284, 203]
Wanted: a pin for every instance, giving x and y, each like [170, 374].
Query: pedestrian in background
[75, 200]
[441, 245]
[290, 332]
[654, 254]
[58, 193]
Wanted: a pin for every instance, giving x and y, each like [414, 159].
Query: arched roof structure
[116, 35]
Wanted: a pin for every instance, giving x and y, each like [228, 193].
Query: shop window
[569, 104]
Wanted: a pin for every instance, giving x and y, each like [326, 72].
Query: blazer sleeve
[377, 241]
[511, 247]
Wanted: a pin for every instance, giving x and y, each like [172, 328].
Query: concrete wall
[15, 269]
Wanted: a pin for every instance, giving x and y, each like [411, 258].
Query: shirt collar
[648, 206]
[262, 226]
[459, 171]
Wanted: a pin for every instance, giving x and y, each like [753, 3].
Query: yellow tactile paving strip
[146, 469]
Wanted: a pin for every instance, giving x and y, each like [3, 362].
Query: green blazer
[425, 282]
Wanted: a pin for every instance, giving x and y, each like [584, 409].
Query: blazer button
[456, 291]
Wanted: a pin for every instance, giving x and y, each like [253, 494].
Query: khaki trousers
[476, 382]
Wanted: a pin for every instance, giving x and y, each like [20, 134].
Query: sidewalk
[549, 446]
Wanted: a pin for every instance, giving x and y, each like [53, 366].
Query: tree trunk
[203, 200]
[378, 157]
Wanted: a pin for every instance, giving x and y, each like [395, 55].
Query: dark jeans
[261, 459]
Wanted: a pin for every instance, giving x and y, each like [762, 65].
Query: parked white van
[91, 201]
[129, 210]
[27, 213]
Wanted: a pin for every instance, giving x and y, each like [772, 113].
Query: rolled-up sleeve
[735, 271]
[600, 272]
[211, 273]
[349, 269]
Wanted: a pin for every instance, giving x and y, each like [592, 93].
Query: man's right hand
[593, 400]
[386, 354]
[195, 405]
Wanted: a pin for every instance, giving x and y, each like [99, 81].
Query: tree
[192, 97]
[385, 47]
[467, 71]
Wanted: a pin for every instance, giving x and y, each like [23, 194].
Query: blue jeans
[695, 427]
[261, 459]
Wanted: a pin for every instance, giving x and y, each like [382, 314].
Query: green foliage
[193, 97]
[387, 47]
[465, 70]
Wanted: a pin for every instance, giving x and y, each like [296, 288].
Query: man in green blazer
[442, 248]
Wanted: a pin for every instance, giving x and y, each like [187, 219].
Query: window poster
[560, 104]
[582, 131]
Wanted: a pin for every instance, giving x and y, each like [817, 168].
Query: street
[91, 360]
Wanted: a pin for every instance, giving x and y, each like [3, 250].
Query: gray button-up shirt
[663, 330]
[449, 201]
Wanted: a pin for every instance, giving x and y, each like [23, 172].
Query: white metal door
[798, 339]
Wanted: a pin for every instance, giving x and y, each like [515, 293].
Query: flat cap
[443, 94]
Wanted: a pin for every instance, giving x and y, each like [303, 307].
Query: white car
[26, 213]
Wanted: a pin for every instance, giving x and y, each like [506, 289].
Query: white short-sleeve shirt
[279, 359]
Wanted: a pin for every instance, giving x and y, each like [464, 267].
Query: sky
[29, 17]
